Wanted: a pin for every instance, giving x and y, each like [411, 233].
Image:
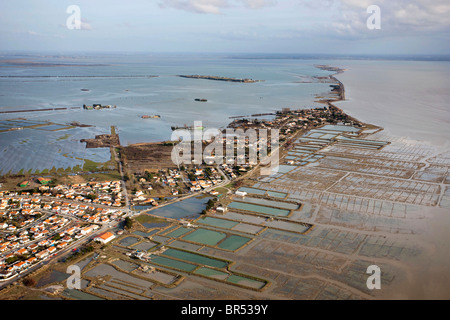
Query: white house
[241, 193]
[105, 237]
[221, 209]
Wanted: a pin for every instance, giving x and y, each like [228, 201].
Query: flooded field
[157, 276]
[212, 273]
[226, 224]
[205, 236]
[269, 203]
[231, 278]
[178, 232]
[83, 263]
[145, 234]
[259, 208]
[51, 277]
[144, 246]
[231, 225]
[233, 242]
[281, 195]
[173, 264]
[117, 284]
[63, 144]
[309, 232]
[195, 258]
[189, 208]
[125, 265]
[128, 241]
[79, 295]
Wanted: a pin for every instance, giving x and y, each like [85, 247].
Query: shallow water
[166, 95]
[128, 241]
[195, 258]
[408, 98]
[226, 224]
[174, 264]
[204, 236]
[54, 276]
[258, 208]
[233, 242]
[79, 295]
[191, 207]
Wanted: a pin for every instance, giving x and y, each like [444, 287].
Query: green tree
[56, 237]
[209, 204]
[29, 282]
[128, 222]
[11, 259]
[92, 196]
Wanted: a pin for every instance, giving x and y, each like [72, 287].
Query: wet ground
[360, 205]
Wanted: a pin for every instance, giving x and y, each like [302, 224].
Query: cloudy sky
[266, 26]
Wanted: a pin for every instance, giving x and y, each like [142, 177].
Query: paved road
[124, 186]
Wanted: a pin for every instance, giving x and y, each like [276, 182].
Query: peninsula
[339, 202]
[220, 78]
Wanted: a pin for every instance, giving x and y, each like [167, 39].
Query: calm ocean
[405, 97]
[409, 99]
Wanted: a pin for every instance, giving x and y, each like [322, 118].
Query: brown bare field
[147, 156]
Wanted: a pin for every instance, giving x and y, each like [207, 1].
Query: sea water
[125, 81]
[408, 98]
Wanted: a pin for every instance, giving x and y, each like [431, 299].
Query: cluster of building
[34, 227]
[196, 179]
[28, 246]
[165, 178]
[233, 171]
[142, 199]
[169, 178]
[289, 121]
[203, 178]
[312, 117]
[107, 193]
[44, 240]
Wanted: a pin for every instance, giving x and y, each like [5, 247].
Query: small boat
[156, 116]
[201, 100]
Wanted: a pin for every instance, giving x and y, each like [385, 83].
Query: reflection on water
[53, 276]
[187, 209]
[136, 95]
[79, 295]
[407, 98]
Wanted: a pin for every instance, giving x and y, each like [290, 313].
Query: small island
[220, 78]
[156, 116]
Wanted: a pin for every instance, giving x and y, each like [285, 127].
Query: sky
[235, 26]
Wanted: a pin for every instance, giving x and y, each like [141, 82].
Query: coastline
[317, 222]
[408, 101]
[341, 94]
